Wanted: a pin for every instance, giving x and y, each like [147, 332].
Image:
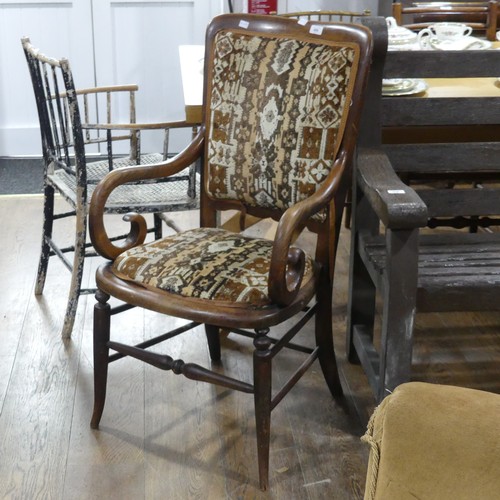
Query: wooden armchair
[422, 163]
[69, 126]
[277, 141]
[480, 16]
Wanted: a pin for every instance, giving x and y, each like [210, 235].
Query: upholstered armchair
[281, 106]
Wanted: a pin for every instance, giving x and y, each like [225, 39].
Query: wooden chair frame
[288, 297]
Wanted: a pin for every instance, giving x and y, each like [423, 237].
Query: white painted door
[59, 28]
[107, 42]
[138, 42]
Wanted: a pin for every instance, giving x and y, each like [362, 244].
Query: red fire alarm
[262, 6]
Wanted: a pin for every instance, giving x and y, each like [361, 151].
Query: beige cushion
[435, 442]
[205, 263]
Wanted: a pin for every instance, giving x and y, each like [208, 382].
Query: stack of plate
[463, 43]
[402, 86]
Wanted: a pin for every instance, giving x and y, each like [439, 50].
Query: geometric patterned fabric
[207, 263]
[276, 116]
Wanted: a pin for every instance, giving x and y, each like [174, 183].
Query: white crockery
[443, 32]
[398, 35]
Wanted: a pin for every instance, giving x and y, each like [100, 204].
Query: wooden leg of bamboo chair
[169, 222]
[48, 220]
[213, 339]
[76, 275]
[102, 316]
[262, 366]
[324, 339]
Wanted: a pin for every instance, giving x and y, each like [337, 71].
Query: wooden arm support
[137, 126]
[102, 90]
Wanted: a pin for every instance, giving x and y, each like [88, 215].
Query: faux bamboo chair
[480, 16]
[416, 197]
[66, 132]
[281, 105]
[328, 15]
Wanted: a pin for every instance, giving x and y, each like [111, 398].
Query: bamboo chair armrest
[102, 90]
[109, 88]
[137, 126]
[396, 204]
[138, 228]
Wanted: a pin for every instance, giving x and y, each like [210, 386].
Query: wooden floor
[163, 436]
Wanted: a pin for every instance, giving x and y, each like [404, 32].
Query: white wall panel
[135, 42]
[58, 28]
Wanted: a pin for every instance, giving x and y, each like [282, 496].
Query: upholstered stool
[434, 442]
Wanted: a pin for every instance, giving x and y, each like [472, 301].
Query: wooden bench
[437, 167]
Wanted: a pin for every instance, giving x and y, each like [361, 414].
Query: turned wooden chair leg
[213, 339]
[324, 339]
[102, 316]
[262, 365]
[76, 275]
[48, 222]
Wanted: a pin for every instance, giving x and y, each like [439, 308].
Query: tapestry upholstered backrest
[276, 114]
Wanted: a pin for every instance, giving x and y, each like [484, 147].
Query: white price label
[316, 29]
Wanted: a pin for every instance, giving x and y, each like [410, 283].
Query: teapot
[399, 36]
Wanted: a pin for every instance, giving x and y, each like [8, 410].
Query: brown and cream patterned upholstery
[277, 117]
[204, 263]
[275, 125]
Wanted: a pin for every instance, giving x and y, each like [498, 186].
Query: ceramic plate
[465, 43]
[397, 84]
[417, 87]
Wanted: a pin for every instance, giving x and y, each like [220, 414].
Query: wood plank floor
[163, 436]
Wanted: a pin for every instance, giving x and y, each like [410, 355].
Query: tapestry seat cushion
[205, 263]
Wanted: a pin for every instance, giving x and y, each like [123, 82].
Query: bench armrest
[396, 204]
